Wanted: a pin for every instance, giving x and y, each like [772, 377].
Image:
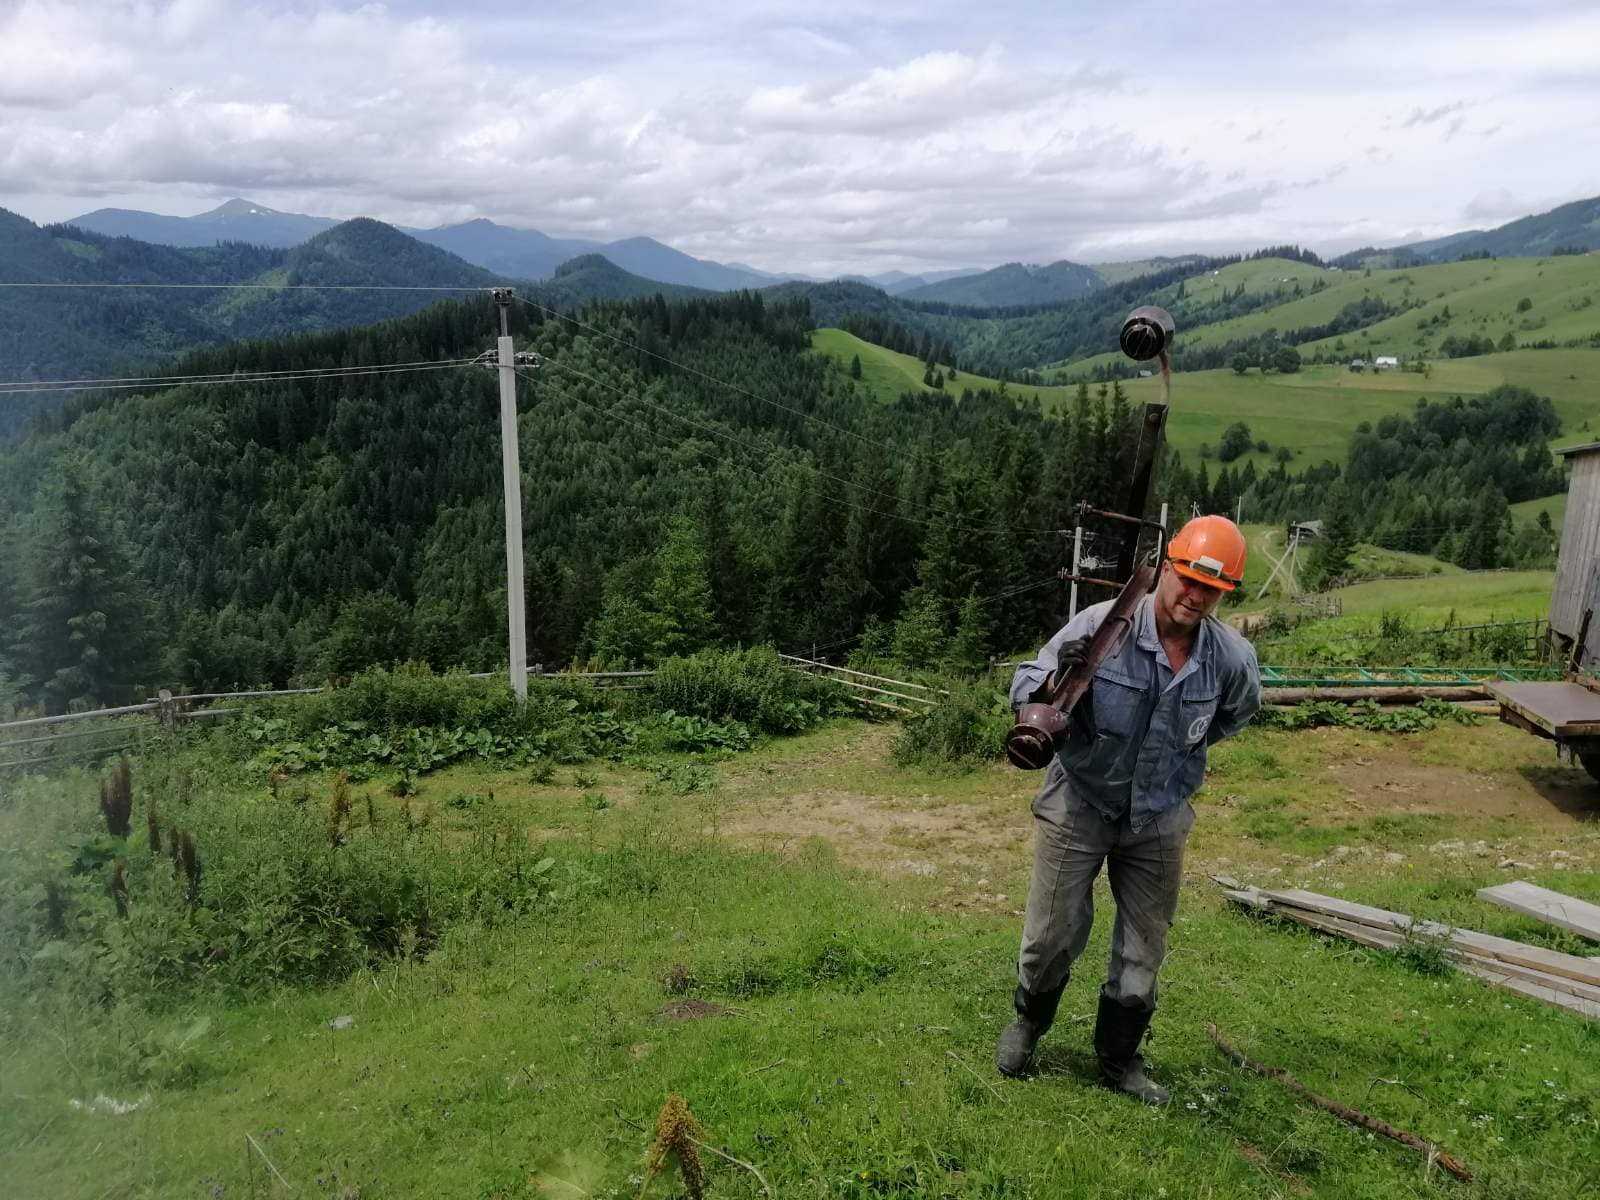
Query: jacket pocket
[1195, 714]
[1118, 700]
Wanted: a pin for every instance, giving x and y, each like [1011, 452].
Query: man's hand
[1070, 655]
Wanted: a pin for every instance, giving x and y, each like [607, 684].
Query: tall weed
[965, 729]
[748, 686]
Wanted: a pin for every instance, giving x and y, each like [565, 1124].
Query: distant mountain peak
[238, 207]
[585, 262]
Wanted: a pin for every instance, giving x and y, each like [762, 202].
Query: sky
[821, 137]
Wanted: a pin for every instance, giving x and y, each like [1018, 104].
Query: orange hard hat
[1210, 550]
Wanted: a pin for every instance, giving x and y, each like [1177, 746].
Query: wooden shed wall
[1578, 568]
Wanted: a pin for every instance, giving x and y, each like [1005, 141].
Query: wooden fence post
[167, 713]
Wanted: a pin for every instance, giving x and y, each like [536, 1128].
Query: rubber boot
[1118, 1029]
[1036, 1011]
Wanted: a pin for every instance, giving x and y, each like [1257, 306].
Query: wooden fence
[114, 730]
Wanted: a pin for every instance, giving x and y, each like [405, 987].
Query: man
[1118, 793]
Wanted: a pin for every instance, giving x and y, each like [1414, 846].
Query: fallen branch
[1344, 1113]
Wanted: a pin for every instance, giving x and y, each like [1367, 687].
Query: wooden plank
[1375, 692]
[1534, 991]
[1567, 912]
[1553, 989]
[1565, 709]
[1484, 945]
[1473, 964]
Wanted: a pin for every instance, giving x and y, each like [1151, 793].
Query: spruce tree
[1331, 554]
[83, 636]
[680, 595]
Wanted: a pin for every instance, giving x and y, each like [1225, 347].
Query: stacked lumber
[1564, 980]
[1567, 912]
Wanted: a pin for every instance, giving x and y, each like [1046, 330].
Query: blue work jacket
[1139, 745]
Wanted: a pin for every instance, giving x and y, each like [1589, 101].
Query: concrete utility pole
[511, 470]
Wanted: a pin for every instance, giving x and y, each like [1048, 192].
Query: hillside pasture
[1528, 511]
[888, 374]
[1315, 410]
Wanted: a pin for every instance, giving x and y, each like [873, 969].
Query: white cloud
[819, 137]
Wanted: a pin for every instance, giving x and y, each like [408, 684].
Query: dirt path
[1328, 795]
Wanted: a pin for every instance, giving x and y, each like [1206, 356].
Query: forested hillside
[91, 332]
[264, 533]
[1013, 284]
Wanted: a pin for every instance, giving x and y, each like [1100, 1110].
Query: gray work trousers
[1071, 839]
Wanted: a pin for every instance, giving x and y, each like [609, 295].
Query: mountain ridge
[504, 249]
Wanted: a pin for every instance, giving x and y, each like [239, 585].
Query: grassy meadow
[814, 948]
[1313, 412]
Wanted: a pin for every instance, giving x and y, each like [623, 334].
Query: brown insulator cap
[1147, 332]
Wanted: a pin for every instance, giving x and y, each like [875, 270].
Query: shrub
[259, 895]
[748, 686]
[414, 720]
[967, 727]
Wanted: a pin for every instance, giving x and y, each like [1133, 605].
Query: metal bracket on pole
[511, 471]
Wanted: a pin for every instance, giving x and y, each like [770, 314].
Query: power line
[738, 441]
[32, 384]
[268, 287]
[613, 414]
[856, 637]
[162, 385]
[706, 375]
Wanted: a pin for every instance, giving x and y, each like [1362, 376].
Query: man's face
[1183, 601]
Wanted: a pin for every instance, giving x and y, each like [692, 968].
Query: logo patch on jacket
[1197, 728]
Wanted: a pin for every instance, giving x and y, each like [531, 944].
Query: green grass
[1313, 412]
[1528, 511]
[889, 374]
[1482, 298]
[1316, 410]
[852, 1053]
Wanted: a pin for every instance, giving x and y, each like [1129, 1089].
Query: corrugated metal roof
[1586, 448]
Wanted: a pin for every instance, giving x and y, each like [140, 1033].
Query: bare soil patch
[1390, 780]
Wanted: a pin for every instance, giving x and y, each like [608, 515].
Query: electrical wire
[32, 384]
[613, 414]
[824, 647]
[163, 385]
[707, 376]
[267, 287]
[725, 435]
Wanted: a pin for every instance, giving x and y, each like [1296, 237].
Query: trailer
[1568, 712]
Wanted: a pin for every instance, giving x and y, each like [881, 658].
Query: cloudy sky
[820, 136]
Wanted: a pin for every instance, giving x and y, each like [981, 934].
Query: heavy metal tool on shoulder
[1033, 740]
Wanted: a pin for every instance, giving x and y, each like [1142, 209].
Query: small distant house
[1383, 361]
[1358, 364]
[1305, 531]
[1144, 375]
